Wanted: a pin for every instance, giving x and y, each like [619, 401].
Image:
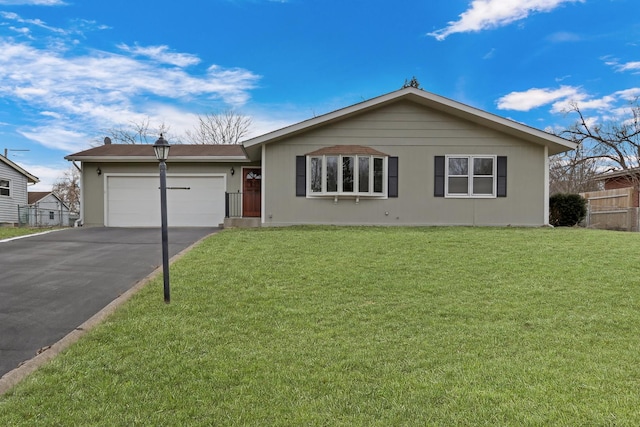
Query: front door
[251, 190]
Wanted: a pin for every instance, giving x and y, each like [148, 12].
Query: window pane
[347, 174]
[483, 185]
[363, 174]
[458, 185]
[316, 174]
[4, 191]
[332, 174]
[378, 175]
[458, 166]
[483, 166]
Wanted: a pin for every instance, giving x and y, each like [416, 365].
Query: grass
[364, 327]
[9, 232]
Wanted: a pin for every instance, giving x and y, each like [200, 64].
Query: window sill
[355, 197]
[464, 196]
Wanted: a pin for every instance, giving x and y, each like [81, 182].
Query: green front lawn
[9, 232]
[364, 327]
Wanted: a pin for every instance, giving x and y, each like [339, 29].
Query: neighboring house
[616, 207]
[13, 190]
[45, 209]
[629, 178]
[405, 158]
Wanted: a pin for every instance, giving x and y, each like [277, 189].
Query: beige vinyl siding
[18, 194]
[415, 135]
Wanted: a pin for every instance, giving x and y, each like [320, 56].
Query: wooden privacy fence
[611, 209]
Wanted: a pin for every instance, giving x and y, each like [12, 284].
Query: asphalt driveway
[52, 283]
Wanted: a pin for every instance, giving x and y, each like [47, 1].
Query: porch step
[241, 223]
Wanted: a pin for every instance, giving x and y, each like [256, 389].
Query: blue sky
[69, 69]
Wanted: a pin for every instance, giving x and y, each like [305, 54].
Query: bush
[566, 210]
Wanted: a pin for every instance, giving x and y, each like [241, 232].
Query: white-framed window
[5, 187]
[338, 174]
[470, 176]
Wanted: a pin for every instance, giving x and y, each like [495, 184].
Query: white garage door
[192, 201]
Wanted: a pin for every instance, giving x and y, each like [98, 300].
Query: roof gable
[36, 196]
[554, 143]
[30, 178]
[630, 174]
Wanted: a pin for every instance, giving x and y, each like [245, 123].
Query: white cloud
[57, 138]
[82, 93]
[162, 55]
[564, 99]
[34, 22]
[33, 2]
[46, 174]
[486, 14]
[563, 78]
[563, 37]
[633, 66]
[534, 98]
[490, 54]
[629, 66]
[21, 30]
[567, 104]
[629, 94]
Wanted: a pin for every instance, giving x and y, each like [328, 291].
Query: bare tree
[67, 188]
[571, 172]
[604, 145]
[226, 127]
[139, 133]
[613, 143]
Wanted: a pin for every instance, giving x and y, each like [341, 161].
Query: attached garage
[133, 200]
[120, 184]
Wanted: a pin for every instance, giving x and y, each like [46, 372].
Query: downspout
[262, 184]
[546, 186]
[80, 221]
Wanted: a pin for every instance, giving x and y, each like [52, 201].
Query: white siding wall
[39, 215]
[18, 197]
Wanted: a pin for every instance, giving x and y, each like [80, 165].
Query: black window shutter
[502, 177]
[438, 190]
[393, 177]
[301, 176]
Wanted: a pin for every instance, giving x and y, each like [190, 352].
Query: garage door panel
[134, 201]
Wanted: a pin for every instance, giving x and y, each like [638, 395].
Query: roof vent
[107, 140]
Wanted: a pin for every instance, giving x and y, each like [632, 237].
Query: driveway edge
[13, 377]
[24, 236]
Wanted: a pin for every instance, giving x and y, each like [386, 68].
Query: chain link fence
[30, 216]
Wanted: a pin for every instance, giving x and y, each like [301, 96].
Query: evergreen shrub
[566, 210]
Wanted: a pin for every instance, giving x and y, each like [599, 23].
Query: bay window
[358, 175]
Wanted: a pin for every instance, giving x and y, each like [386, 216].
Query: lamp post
[161, 148]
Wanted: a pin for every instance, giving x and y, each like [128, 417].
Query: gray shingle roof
[145, 152]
